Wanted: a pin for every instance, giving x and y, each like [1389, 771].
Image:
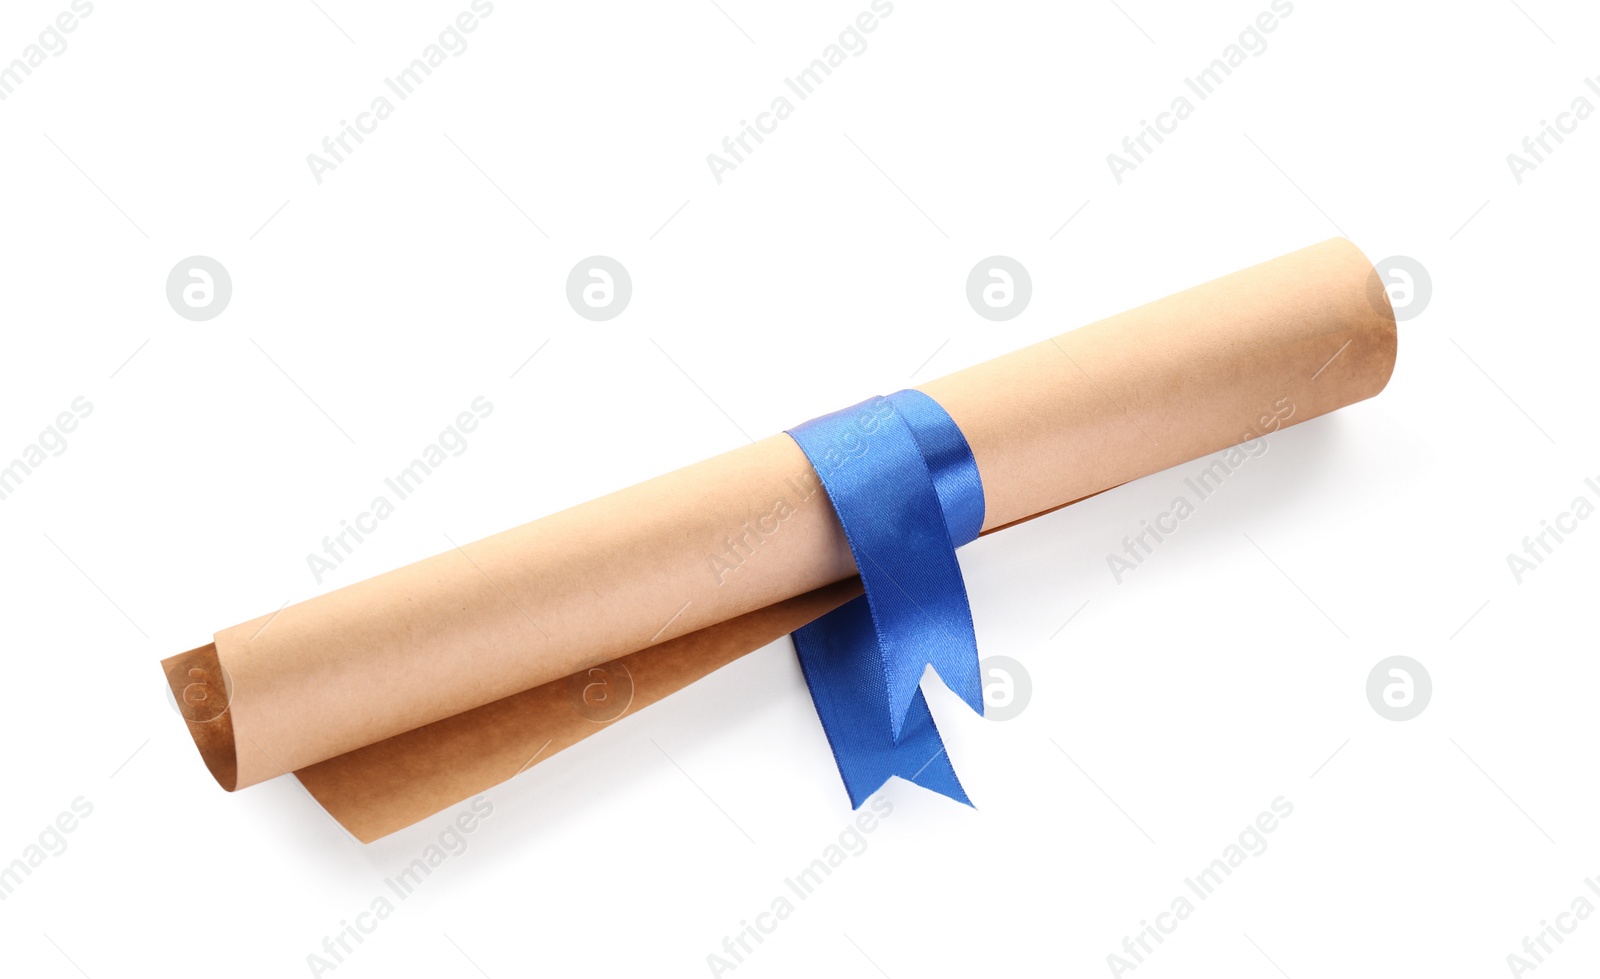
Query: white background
[422, 272]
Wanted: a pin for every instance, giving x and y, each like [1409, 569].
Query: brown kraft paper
[395, 697]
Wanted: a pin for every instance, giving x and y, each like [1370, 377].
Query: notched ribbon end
[906, 488]
[968, 686]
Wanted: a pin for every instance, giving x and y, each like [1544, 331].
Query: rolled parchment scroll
[397, 696]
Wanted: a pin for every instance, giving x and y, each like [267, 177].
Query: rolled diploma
[1052, 423]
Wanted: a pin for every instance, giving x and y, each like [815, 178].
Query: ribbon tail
[838, 654]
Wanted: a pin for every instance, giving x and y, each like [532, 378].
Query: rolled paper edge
[214, 734]
[211, 728]
[391, 784]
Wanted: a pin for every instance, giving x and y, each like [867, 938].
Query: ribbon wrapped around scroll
[906, 488]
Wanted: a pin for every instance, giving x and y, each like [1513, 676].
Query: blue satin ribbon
[903, 481]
